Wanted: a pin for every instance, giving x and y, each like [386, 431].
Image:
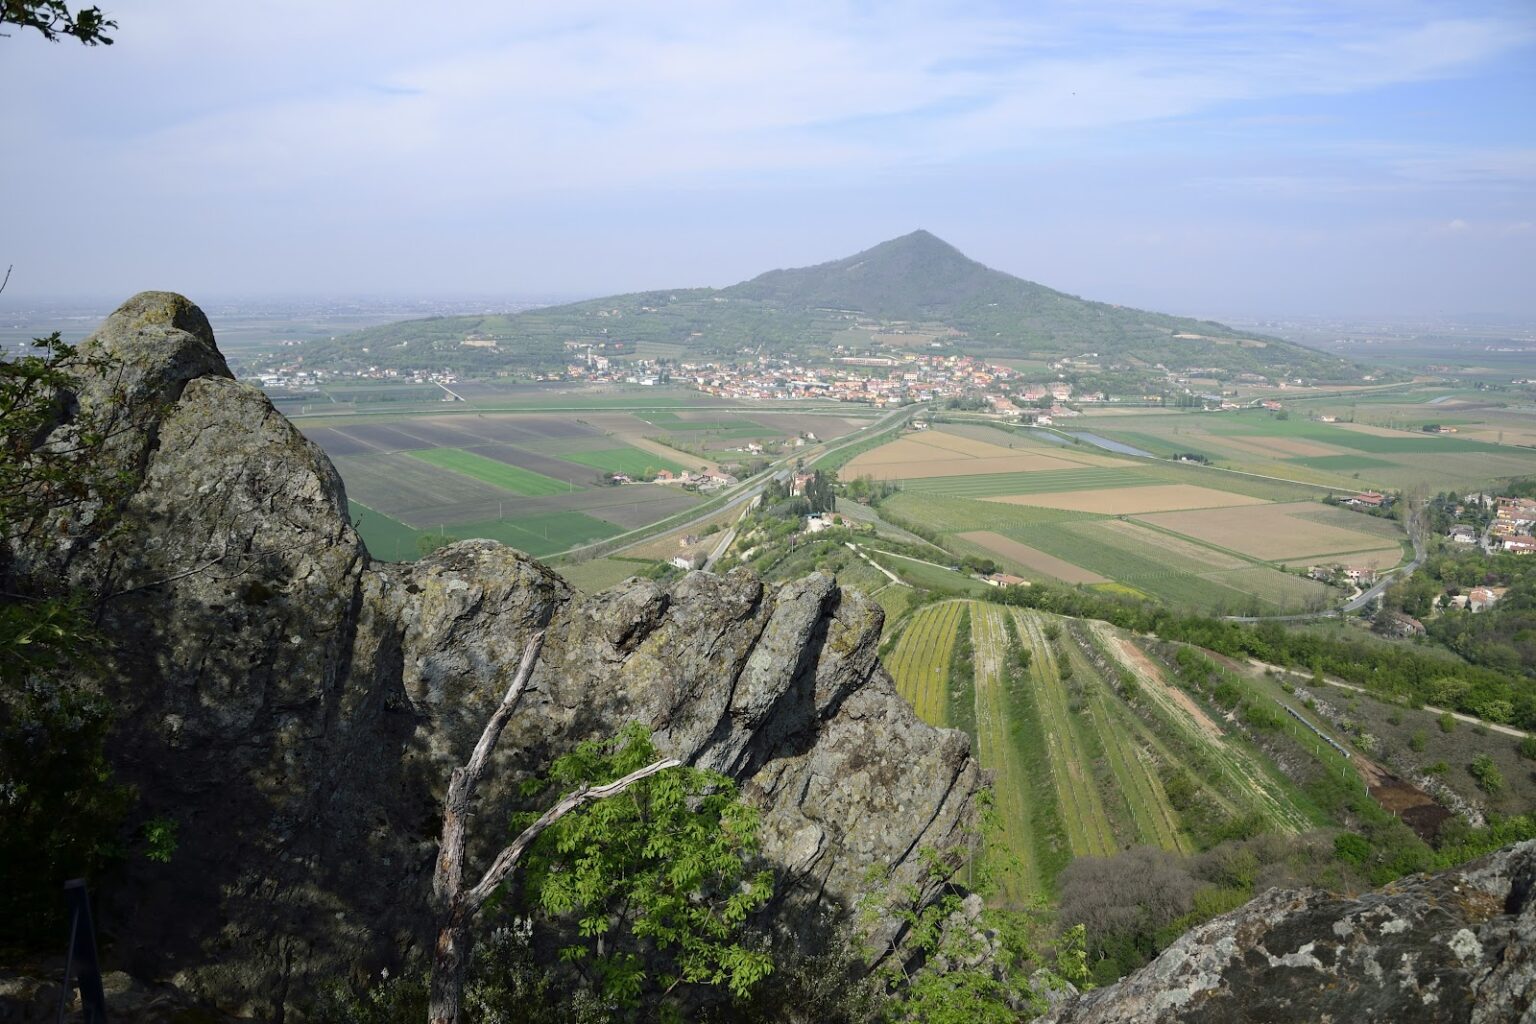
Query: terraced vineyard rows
[1092, 749]
[920, 663]
[1233, 773]
[1130, 761]
[1014, 862]
[1088, 827]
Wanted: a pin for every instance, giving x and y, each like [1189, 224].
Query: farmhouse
[691, 558]
[1367, 499]
[1480, 599]
[1003, 579]
[1399, 624]
[1462, 535]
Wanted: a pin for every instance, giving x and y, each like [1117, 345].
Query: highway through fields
[743, 492]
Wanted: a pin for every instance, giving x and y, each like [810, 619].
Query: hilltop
[912, 291]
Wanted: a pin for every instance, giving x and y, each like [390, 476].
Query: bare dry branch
[508, 858]
[448, 877]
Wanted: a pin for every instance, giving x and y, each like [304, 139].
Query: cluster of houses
[877, 382]
[1359, 575]
[1512, 523]
[706, 481]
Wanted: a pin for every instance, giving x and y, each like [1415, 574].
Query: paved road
[751, 489]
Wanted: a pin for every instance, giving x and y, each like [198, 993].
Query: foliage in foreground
[650, 890]
[60, 810]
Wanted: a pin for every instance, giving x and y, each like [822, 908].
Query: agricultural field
[627, 460]
[1188, 535]
[1094, 744]
[1289, 533]
[1384, 446]
[507, 461]
[920, 661]
[515, 479]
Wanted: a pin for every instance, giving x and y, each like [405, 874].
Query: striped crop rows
[920, 664]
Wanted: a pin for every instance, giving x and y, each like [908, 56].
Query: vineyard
[1092, 745]
[920, 663]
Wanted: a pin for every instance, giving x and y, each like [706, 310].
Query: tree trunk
[449, 961]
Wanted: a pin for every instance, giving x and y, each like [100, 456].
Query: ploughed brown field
[1032, 558]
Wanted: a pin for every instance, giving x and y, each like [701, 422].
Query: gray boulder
[296, 706]
[1452, 948]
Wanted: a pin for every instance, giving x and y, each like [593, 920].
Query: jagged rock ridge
[296, 707]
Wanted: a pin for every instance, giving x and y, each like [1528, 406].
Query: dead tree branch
[460, 905]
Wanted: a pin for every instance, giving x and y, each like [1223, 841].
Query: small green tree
[655, 882]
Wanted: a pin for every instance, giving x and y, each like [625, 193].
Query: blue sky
[1210, 158]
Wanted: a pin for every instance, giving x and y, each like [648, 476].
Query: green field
[629, 461]
[1162, 572]
[986, 485]
[545, 534]
[1094, 744]
[515, 479]
[386, 538]
[539, 535]
[920, 663]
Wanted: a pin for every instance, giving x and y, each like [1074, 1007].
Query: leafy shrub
[1487, 775]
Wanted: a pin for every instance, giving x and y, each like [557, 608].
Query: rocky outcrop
[296, 707]
[1457, 947]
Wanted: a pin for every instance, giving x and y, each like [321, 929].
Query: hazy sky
[1195, 157]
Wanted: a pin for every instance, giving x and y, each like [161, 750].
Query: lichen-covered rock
[297, 707]
[1457, 947]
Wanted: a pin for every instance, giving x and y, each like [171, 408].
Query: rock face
[296, 707]
[1454, 947]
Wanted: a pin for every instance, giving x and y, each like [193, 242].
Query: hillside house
[1480, 599]
[1519, 544]
[1462, 535]
[1366, 499]
[1364, 575]
[1003, 579]
[691, 558]
[1400, 625]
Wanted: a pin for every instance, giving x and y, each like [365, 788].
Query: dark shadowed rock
[1457, 947]
[297, 707]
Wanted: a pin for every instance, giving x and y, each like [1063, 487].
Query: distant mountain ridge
[915, 279]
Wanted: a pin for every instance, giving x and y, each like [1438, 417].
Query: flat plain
[1181, 533]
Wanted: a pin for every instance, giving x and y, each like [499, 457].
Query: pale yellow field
[958, 467]
[1162, 542]
[1366, 428]
[1499, 435]
[1120, 501]
[1032, 558]
[1270, 532]
[1289, 446]
[970, 447]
